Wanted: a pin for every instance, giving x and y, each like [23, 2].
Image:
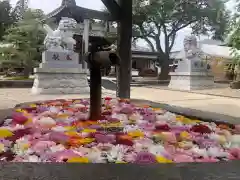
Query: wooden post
[124, 72]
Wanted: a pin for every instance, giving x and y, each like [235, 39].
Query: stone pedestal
[191, 81]
[60, 73]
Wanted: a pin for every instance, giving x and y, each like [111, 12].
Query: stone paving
[223, 105]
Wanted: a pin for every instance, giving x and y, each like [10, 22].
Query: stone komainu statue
[190, 47]
[62, 38]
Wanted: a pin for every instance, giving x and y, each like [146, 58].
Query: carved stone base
[60, 81]
[191, 81]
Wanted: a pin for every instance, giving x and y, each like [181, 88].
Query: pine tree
[26, 39]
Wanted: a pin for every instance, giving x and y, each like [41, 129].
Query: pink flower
[235, 152]
[42, 146]
[182, 158]
[63, 156]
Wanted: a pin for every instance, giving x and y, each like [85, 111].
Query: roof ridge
[69, 3]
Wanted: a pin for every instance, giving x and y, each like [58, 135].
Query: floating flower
[161, 159]
[78, 160]
[58, 137]
[19, 118]
[47, 122]
[136, 134]
[182, 158]
[60, 131]
[201, 129]
[185, 136]
[145, 158]
[4, 133]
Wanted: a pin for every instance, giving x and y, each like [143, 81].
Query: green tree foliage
[164, 18]
[234, 40]
[26, 39]
[7, 18]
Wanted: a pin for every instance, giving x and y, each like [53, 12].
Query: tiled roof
[79, 13]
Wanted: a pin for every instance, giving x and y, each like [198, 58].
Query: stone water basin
[128, 132]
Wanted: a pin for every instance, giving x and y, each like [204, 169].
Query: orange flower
[90, 122]
[125, 137]
[81, 124]
[224, 126]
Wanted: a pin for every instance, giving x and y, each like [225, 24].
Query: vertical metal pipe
[95, 93]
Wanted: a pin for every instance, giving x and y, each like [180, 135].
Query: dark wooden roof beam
[113, 8]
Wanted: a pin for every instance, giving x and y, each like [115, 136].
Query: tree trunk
[238, 73]
[164, 75]
[27, 70]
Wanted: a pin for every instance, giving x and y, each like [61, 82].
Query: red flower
[162, 127]
[108, 98]
[19, 118]
[30, 109]
[124, 141]
[106, 113]
[19, 133]
[200, 128]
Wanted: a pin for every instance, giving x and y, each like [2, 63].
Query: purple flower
[149, 117]
[145, 158]
[58, 137]
[105, 138]
[126, 110]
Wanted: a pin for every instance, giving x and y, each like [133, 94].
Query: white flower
[7, 121]
[21, 147]
[121, 117]
[95, 156]
[79, 105]
[57, 148]
[59, 129]
[2, 148]
[33, 158]
[234, 141]
[47, 121]
[54, 110]
[136, 117]
[115, 154]
[216, 152]
[200, 152]
[157, 150]
[130, 128]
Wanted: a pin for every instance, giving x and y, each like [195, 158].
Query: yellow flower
[78, 160]
[136, 134]
[197, 121]
[62, 116]
[89, 130]
[120, 162]
[25, 146]
[86, 140]
[19, 110]
[5, 133]
[185, 135]
[72, 133]
[28, 121]
[33, 105]
[161, 159]
[70, 128]
[2, 148]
